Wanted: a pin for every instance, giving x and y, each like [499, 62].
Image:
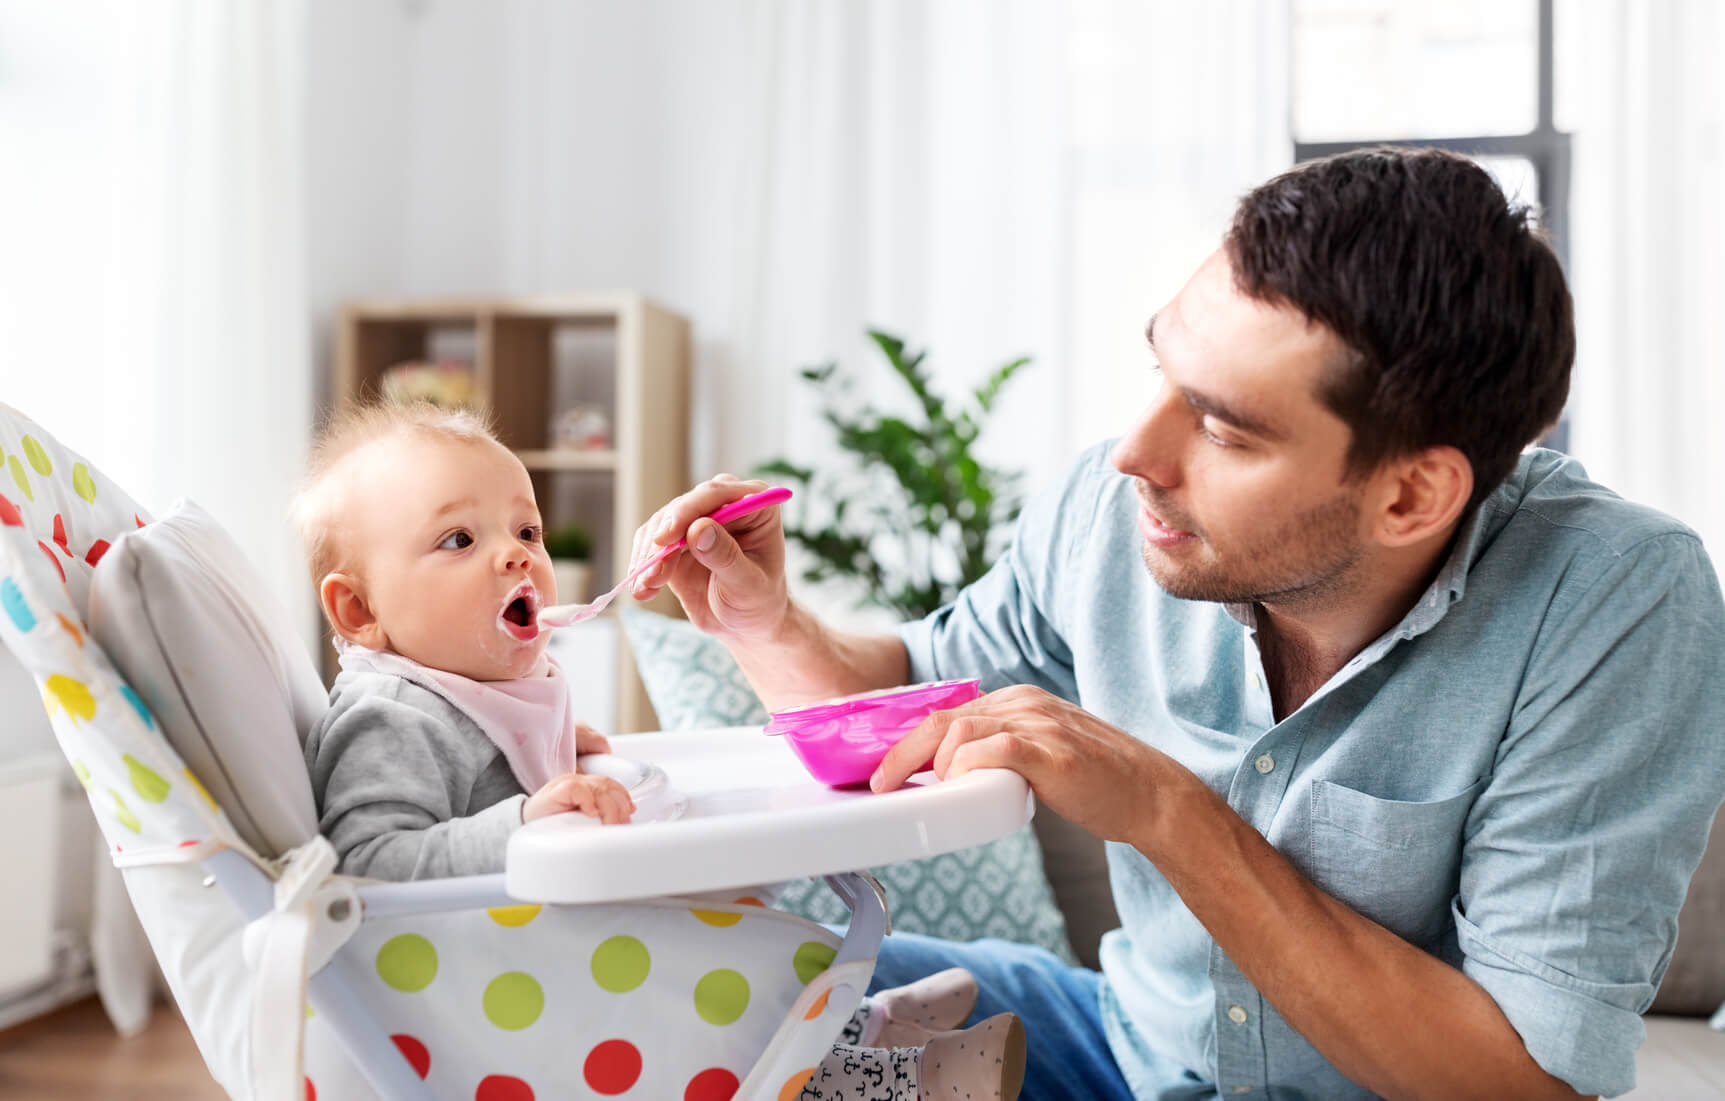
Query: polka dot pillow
[994, 890]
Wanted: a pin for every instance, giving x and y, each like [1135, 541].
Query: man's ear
[345, 607]
[1421, 496]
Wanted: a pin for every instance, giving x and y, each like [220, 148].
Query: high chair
[629, 961]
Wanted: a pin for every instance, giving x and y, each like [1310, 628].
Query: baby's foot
[907, 1016]
[984, 1062]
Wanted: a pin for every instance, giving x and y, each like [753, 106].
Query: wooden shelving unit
[532, 358]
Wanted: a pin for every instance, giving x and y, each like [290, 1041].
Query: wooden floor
[75, 1053]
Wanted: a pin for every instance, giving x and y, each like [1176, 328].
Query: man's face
[1238, 465]
[445, 536]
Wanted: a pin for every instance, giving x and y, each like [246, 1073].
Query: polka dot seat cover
[664, 999]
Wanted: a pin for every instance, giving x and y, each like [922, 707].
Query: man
[1405, 743]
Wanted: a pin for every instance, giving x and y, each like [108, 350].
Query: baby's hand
[598, 796]
[588, 740]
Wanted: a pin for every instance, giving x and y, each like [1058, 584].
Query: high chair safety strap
[314, 915]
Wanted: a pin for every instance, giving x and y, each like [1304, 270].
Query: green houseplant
[914, 516]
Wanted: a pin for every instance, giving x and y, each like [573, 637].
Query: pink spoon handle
[742, 506]
[563, 615]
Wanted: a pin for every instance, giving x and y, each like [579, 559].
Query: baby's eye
[532, 533]
[456, 540]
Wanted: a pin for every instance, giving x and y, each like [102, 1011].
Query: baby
[450, 726]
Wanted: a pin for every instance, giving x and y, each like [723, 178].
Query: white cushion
[190, 625]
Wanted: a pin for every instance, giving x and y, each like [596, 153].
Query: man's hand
[731, 579]
[597, 796]
[1088, 772]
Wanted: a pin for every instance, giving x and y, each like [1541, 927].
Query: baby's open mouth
[520, 615]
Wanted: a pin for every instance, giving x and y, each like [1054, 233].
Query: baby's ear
[348, 613]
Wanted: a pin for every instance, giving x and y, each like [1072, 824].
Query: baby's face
[446, 539]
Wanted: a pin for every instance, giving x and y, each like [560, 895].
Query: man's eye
[456, 540]
[1204, 430]
[531, 534]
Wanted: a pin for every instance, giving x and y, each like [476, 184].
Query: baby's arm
[394, 786]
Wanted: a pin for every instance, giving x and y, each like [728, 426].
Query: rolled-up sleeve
[1578, 854]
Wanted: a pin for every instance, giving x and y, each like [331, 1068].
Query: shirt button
[1237, 1014]
[1264, 764]
[1258, 679]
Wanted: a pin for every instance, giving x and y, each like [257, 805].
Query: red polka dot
[612, 1067]
[52, 559]
[501, 1087]
[712, 1084]
[310, 1091]
[417, 1056]
[97, 550]
[140, 523]
[189, 844]
[60, 534]
[9, 514]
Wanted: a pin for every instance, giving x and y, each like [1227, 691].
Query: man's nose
[1152, 448]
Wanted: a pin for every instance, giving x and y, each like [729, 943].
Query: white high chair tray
[754, 816]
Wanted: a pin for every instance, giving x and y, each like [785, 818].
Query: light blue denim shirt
[1518, 777]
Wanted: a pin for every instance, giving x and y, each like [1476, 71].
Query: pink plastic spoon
[565, 615]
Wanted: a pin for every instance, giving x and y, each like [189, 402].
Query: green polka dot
[150, 787]
[407, 962]
[38, 458]
[82, 773]
[721, 996]
[514, 1000]
[20, 477]
[811, 959]
[126, 817]
[83, 483]
[621, 964]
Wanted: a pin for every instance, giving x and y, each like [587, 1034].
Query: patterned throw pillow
[993, 890]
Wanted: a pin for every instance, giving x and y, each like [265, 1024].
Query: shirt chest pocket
[1397, 863]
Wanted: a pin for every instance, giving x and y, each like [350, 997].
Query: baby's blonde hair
[350, 428]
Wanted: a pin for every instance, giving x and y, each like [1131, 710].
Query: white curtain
[152, 291]
[1649, 252]
[152, 296]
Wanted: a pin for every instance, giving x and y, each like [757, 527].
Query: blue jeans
[1069, 1055]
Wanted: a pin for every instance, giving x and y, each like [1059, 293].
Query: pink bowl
[841, 741]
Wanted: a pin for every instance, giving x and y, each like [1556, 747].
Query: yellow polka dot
[20, 477]
[407, 962]
[514, 916]
[198, 786]
[620, 964]
[812, 957]
[83, 773]
[126, 817]
[83, 483]
[309, 1011]
[721, 996]
[794, 1084]
[720, 918]
[38, 457]
[514, 1000]
[151, 788]
[69, 696]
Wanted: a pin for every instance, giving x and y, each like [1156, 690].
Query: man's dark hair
[1449, 298]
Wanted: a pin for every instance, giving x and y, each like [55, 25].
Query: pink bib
[529, 719]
